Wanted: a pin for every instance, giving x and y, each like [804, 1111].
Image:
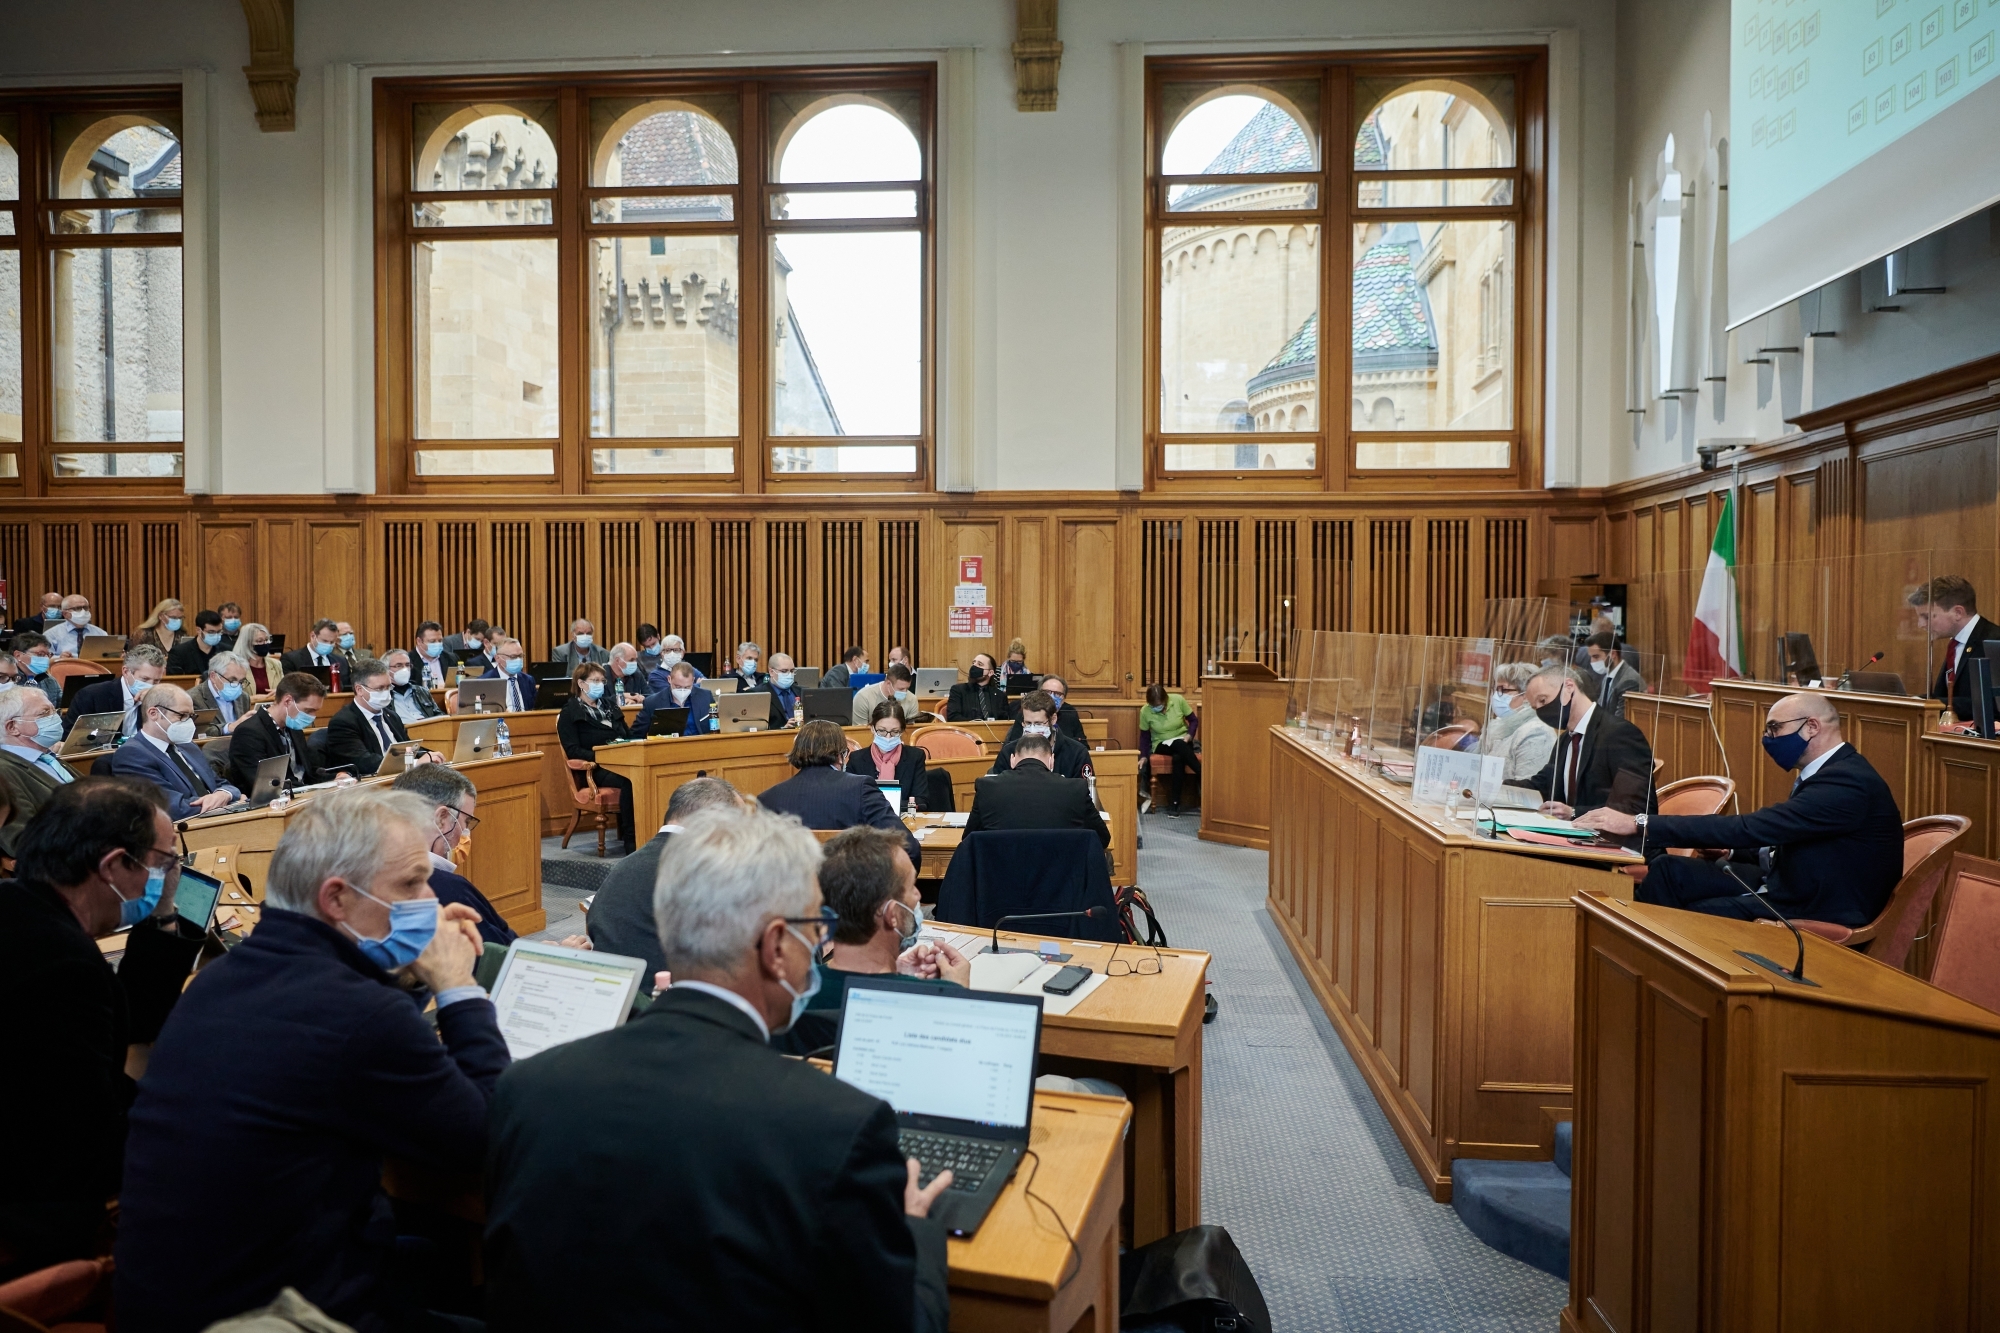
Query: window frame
[1338, 212]
[574, 228]
[35, 241]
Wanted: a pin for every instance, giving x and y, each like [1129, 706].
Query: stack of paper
[1024, 974]
[1535, 822]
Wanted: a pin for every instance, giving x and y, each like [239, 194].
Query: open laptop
[269, 782]
[482, 696]
[720, 684]
[398, 758]
[547, 994]
[744, 712]
[1023, 683]
[195, 896]
[477, 740]
[936, 680]
[806, 678]
[669, 722]
[101, 647]
[93, 731]
[958, 1066]
[835, 706]
[552, 693]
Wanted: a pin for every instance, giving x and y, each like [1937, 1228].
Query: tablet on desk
[195, 897]
[669, 722]
[547, 994]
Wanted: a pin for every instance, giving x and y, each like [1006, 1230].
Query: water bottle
[502, 743]
[1451, 802]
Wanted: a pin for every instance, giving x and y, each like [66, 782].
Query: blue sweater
[288, 1071]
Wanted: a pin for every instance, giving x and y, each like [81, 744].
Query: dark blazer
[29, 787]
[203, 696]
[621, 915]
[190, 657]
[140, 758]
[1611, 747]
[418, 693]
[630, 689]
[69, 1020]
[258, 739]
[1613, 688]
[573, 657]
[466, 660]
[976, 703]
[761, 1194]
[351, 738]
[522, 691]
[1837, 842]
[301, 659]
[1961, 688]
[909, 766]
[452, 887]
[782, 703]
[581, 730]
[824, 797]
[1032, 797]
[834, 677]
[1068, 723]
[100, 696]
[699, 705]
[301, 1065]
[757, 680]
[1072, 756]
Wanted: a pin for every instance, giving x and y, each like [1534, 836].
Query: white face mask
[1034, 729]
[1602, 666]
[378, 699]
[681, 695]
[181, 732]
[401, 675]
[79, 617]
[670, 657]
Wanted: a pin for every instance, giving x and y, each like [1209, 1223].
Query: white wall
[1043, 327]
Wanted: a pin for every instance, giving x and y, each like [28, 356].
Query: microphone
[1873, 660]
[1092, 913]
[1798, 972]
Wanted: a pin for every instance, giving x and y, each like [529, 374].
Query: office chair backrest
[1696, 796]
[946, 742]
[1927, 852]
[1965, 953]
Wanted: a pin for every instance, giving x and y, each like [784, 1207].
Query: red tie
[1951, 669]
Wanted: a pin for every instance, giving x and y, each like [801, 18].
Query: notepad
[1024, 974]
[1540, 823]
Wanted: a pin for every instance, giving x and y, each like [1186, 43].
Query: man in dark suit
[853, 662]
[85, 866]
[1832, 851]
[142, 669]
[782, 683]
[1616, 677]
[510, 659]
[280, 727]
[29, 769]
[51, 614]
[761, 1194]
[192, 655]
[322, 649]
[471, 650]
[621, 915]
[1949, 609]
[1598, 759]
[748, 677]
[1030, 795]
[360, 734]
[824, 796]
[164, 754]
[682, 692]
[454, 802]
[303, 1061]
[1072, 757]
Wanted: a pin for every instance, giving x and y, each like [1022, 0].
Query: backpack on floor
[1131, 902]
[1194, 1281]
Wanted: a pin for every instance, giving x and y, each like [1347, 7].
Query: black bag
[1194, 1281]
[1133, 900]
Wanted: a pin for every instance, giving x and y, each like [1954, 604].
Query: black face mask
[975, 674]
[1551, 713]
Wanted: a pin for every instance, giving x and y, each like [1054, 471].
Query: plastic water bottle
[503, 744]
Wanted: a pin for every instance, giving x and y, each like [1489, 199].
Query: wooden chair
[63, 668]
[1965, 943]
[1161, 765]
[451, 701]
[1927, 853]
[946, 742]
[1694, 796]
[591, 799]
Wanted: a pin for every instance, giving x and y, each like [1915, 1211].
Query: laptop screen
[955, 1057]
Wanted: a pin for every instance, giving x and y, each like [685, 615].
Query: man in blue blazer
[682, 692]
[825, 797]
[1832, 852]
[164, 754]
[144, 665]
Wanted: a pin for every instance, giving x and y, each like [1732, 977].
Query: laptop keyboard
[970, 1161]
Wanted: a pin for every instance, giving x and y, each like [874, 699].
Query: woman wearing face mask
[162, 629]
[981, 696]
[591, 717]
[870, 884]
[1164, 729]
[253, 645]
[886, 758]
[1512, 729]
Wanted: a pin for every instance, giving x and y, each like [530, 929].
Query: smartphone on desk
[1067, 980]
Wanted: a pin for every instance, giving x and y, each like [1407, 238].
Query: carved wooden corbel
[274, 79]
[1037, 55]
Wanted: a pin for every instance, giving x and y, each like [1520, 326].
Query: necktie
[1951, 668]
[382, 730]
[57, 767]
[1575, 744]
[195, 784]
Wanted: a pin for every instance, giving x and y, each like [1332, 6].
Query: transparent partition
[1392, 700]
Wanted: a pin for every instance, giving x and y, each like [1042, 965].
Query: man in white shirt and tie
[511, 658]
[361, 734]
[164, 754]
[30, 730]
[143, 668]
[66, 636]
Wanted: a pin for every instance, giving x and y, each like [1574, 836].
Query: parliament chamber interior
[637, 693]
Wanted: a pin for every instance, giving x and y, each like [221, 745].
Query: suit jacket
[700, 704]
[756, 680]
[1613, 688]
[29, 787]
[351, 739]
[782, 703]
[1072, 756]
[258, 739]
[300, 1063]
[1837, 842]
[452, 887]
[140, 758]
[301, 659]
[1068, 723]
[203, 696]
[1032, 797]
[418, 694]
[760, 1195]
[70, 1018]
[580, 730]
[1961, 687]
[190, 657]
[834, 677]
[621, 915]
[909, 766]
[1614, 752]
[824, 797]
[973, 703]
[100, 696]
[573, 657]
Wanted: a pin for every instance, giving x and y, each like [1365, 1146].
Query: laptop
[270, 781]
[1024, 683]
[195, 897]
[548, 671]
[892, 792]
[482, 696]
[323, 674]
[76, 685]
[398, 758]
[702, 662]
[547, 994]
[720, 684]
[744, 712]
[806, 678]
[93, 731]
[835, 706]
[553, 693]
[101, 647]
[936, 680]
[477, 740]
[958, 1067]
[669, 722]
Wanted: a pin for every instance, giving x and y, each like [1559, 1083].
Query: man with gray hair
[1512, 730]
[144, 667]
[30, 730]
[679, 1163]
[297, 1063]
[361, 734]
[1598, 759]
[621, 915]
[164, 754]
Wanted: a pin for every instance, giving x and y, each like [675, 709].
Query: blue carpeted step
[1519, 1208]
[1565, 1140]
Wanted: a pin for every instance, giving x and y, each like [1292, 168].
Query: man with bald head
[164, 754]
[1832, 851]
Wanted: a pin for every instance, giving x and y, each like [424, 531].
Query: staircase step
[1519, 1208]
[1565, 1141]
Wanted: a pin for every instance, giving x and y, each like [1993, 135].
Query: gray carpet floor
[1297, 1159]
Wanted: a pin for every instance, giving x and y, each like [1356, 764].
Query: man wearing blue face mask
[32, 659]
[304, 1060]
[872, 888]
[30, 731]
[100, 854]
[225, 690]
[191, 656]
[429, 658]
[788, 1195]
[1832, 851]
[280, 727]
[164, 754]
[48, 614]
[582, 647]
[784, 688]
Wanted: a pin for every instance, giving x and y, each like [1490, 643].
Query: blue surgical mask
[594, 690]
[908, 939]
[1786, 751]
[211, 638]
[51, 613]
[887, 744]
[434, 649]
[800, 999]
[298, 722]
[749, 666]
[585, 640]
[513, 666]
[38, 665]
[232, 624]
[412, 925]
[131, 911]
[49, 730]
[347, 640]
[784, 679]
[654, 651]
[630, 668]
[1501, 703]
[174, 624]
[1058, 700]
[231, 692]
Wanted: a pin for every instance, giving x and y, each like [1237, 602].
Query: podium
[1756, 1153]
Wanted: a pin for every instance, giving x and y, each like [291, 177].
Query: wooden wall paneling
[1758, 585]
[565, 588]
[1333, 567]
[1503, 561]
[673, 579]
[1091, 610]
[786, 580]
[404, 576]
[24, 593]
[512, 605]
[336, 556]
[1447, 576]
[1389, 576]
[1574, 545]
[1162, 646]
[962, 539]
[901, 588]
[1219, 576]
[114, 606]
[1620, 547]
[1027, 604]
[282, 579]
[62, 557]
[459, 574]
[621, 606]
[1275, 591]
[225, 567]
[160, 573]
[730, 614]
[842, 585]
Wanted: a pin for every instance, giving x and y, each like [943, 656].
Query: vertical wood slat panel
[23, 593]
[842, 594]
[729, 542]
[111, 555]
[62, 557]
[513, 578]
[403, 592]
[1276, 592]
[1389, 576]
[1160, 641]
[565, 579]
[458, 576]
[785, 585]
[1447, 575]
[160, 566]
[673, 565]
[1218, 630]
[900, 591]
[1333, 574]
[618, 613]
[1506, 557]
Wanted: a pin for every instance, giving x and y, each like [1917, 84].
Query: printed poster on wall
[969, 622]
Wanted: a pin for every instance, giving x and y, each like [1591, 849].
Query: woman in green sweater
[1164, 724]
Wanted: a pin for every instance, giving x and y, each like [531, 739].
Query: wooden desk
[506, 857]
[1236, 721]
[1679, 731]
[1096, 731]
[1885, 728]
[1756, 1154]
[534, 729]
[1442, 959]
